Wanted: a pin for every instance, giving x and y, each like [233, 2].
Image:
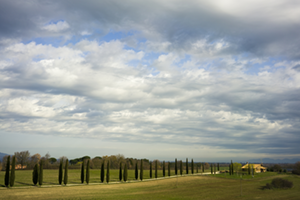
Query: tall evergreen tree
[218, 167]
[181, 168]
[187, 166]
[12, 173]
[150, 169]
[102, 172]
[82, 172]
[229, 169]
[6, 179]
[175, 166]
[41, 174]
[35, 174]
[87, 178]
[202, 167]
[141, 170]
[249, 169]
[156, 169]
[192, 166]
[125, 172]
[60, 172]
[169, 169]
[107, 172]
[211, 168]
[66, 172]
[164, 169]
[120, 172]
[136, 171]
[214, 168]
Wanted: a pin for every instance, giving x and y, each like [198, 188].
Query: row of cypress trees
[37, 175]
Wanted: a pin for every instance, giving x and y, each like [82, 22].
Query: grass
[244, 177]
[188, 187]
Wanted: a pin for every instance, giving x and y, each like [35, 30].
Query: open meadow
[186, 187]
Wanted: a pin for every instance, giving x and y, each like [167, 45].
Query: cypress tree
[175, 166]
[12, 173]
[102, 172]
[136, 172]
[181, 168]
[192, 166]
[66, 172]
[218, 167]
[107, 172]
[35, 174]
[187, 166]
[87, 178]
[214, 168]
[230, 169]
[150, 169]
[156, 169]
[41, 174]
[125, 173]
[6, 179]
[202, 167]
[141, 170]
[164, 169]
[120, 172]
[169, 169]
[82, 172]
[249, 169]
[211, 168]
[60, 173]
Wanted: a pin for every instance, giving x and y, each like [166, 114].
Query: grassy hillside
[190, 187]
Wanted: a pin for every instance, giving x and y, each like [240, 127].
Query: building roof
[254, 166]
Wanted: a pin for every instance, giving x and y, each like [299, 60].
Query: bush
[296, 169]
[279, 183]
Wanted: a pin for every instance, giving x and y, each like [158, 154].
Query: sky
[210, 80]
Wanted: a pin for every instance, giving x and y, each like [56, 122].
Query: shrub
[296, 169]
[279, 183]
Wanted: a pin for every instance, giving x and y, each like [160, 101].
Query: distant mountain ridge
[270, 160]
[2, 155]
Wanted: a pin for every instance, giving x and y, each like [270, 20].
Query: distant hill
[2, 155]
[270, 160]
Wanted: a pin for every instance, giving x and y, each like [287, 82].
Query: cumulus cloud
[217, 75]
[57, 27]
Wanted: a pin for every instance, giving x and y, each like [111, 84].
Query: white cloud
[57, 27]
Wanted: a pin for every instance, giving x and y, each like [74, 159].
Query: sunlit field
[186, 187]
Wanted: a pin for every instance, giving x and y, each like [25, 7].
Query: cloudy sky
[210, 80]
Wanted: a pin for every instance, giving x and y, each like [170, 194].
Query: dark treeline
[29, 161]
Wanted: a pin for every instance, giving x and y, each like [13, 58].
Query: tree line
[37, 174]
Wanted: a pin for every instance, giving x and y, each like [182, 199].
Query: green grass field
[186, 187]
